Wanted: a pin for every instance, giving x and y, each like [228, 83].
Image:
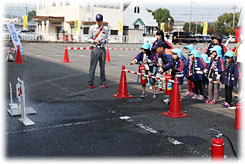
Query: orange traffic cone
[18, 56]
[107, 57]
[175, 105]
[66, 58]
[123, 88]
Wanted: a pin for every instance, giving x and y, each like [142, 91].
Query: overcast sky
[202, 10]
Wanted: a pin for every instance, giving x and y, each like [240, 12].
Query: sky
[202, 10]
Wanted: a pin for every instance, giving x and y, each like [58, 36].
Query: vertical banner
[205, 28]
[162, 27]
[76, 26]
[120, 26]
[25, 22]
[15, 38]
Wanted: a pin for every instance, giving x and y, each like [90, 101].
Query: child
[214, 71]
[175, 66]
[196, 72]
[190, 83]
[160, 61]
[146, 58]
[230, 77]
[205, 75]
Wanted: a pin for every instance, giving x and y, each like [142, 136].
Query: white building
[137, 17]
[56, 19]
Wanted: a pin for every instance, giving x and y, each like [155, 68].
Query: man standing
[98, 36]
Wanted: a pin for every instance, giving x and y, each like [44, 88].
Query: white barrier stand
[21, 97]
[13, 107]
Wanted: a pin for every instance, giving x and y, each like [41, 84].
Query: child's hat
[146, 46]
[177, 51]
[230, 54]
[205, 58]
[196, 53]
[218, 50]
[190, 47]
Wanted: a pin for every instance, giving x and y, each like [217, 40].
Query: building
[136, 22]
[70, 20]
[178, 26]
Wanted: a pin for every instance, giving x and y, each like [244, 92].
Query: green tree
[225, 22]
[31, 13]
[194, 27]
[162, 15]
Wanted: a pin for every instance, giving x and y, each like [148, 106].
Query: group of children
[201, 71]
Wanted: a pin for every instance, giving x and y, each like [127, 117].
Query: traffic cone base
[175, 115]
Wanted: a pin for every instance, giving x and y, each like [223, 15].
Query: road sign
[15, 38]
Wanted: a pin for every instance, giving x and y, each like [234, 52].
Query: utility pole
[26, 8]
[234, 14]
[190, 17]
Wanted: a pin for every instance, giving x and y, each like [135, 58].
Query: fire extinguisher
[217, 148]
[143, 79]
[168, 85]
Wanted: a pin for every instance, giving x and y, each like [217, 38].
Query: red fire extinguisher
[168, 85]
[217, 149]
[238, 116]
[143, 79]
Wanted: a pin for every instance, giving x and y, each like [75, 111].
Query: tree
[162, 15]
[225, 22]
[31, 13]
[194, 27]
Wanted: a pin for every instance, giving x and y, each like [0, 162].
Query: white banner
[15, 38]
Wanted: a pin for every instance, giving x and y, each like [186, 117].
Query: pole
[190, 18]
[233, 23]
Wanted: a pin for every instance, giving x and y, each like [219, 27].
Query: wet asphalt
[73, 121]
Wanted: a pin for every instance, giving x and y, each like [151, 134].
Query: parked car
[184, 37]
[203, 39]
[232, 39]
[29, 35]
[224, 38]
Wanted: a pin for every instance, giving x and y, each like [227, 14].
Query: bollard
[238, 116]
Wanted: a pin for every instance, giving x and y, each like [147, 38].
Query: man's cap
[99, 17]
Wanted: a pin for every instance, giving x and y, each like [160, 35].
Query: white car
[232, 39]
[28, 35]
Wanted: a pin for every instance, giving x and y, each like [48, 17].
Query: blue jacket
[176, 66]
[196, 70]
[162, 57]
[219, 68]
[230, 76]
[150, 60]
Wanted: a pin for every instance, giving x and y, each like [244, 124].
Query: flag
[205, 28]
[76, 26]
[120, 26]
[162, 27]
[25, 22]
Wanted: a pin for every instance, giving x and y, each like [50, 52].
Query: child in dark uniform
[229, 77]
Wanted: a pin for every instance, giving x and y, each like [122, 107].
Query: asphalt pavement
[74, 121]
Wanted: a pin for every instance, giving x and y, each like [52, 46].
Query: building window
[136, 9]
[114, 32]
[60, 3]
[53, 4]
[85, 30]
[67, 3]
[136, 26]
